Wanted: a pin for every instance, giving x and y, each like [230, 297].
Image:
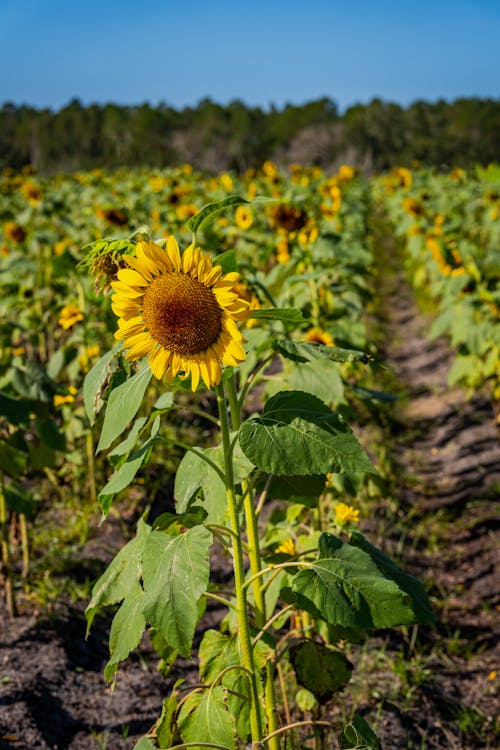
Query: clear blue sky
[262, 52]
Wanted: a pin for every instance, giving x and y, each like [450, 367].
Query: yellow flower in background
[413, 207]
[18, 351]
[31, 192]
[156, 183]
[14, 232]
[346, 173]
[59, 400]
[287, 547]
[70, 314]
[226, 181]
[187, 210]
[89, 353]
[243, 217]
[319, 336]
[345, 514]
[283, 251]
[269, 168]
[180, 312]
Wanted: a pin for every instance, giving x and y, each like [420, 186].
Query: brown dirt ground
[445, 446]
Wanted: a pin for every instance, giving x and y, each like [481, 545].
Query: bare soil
[446, 452]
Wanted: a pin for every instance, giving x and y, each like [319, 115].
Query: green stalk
[244, 638]
[5, 560]
[255, 568]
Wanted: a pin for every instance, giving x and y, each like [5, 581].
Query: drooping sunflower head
[180, 311]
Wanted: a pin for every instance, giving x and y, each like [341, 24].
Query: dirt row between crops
[446, 455]
[445, 448]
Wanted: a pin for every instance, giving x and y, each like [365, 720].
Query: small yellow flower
[492, 675]
[319, 336]
[345, 514]
[61, 400]
[17, 351]
[70, 314]
[226, 181]
[282, 251]
[287, 547]
[14, 231]
[269, 168]
[31, 192]
[243, 217]
[186, 211]
[346, 173]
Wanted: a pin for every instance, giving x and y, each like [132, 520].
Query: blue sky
[262, 52]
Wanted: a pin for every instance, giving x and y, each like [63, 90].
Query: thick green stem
[244, 638]
[255, 568]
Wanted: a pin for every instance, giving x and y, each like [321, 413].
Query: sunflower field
[216, 450]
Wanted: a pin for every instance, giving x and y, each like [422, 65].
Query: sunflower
[317, 335]
[179, 310]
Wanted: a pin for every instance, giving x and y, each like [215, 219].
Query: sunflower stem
[255, 568]
[239, 571]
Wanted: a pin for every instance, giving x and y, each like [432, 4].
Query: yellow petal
[131, 277]
[138, 266]
[195, 375]
[173, 253]
[126, 291]
[187, 259]
[158, 362]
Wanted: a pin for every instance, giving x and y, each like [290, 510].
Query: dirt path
[446, 453]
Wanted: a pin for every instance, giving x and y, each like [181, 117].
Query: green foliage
[320, 669]
[357, 735]
[205, 715]
[298, 434]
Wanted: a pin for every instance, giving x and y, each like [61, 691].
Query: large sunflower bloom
[179, 310]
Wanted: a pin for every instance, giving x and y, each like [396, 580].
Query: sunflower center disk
[181, 313]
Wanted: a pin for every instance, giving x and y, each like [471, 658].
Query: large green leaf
[122, 406]
[321, 669]
[345, 587]
[120, 576]
[175, 574]
[12, 460]
[95, 381]
[204, 718]
[308, 351]
[194, 474]
[210, 212]
[298, 434]
[406, 582]
[321, 378]
[126, 630]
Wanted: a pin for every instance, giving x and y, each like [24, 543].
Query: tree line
[215, 137]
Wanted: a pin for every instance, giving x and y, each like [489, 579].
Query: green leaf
[125, 474]
[299, 489]
[227, 261]
[286, 314]
[321, 378]
[126, 445]
[210, 212]
[346, 588]
[144, 744]
[194, 474]
[204, 718]
[94, 382]
[18, 499]
[298, 434]
[123, 405]
[13, 462]
[126, 630]
[322, 670]
[15, 409]
[175, 575]
[359, 736]
[121, 575]
[308, 351]
[406, 582]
